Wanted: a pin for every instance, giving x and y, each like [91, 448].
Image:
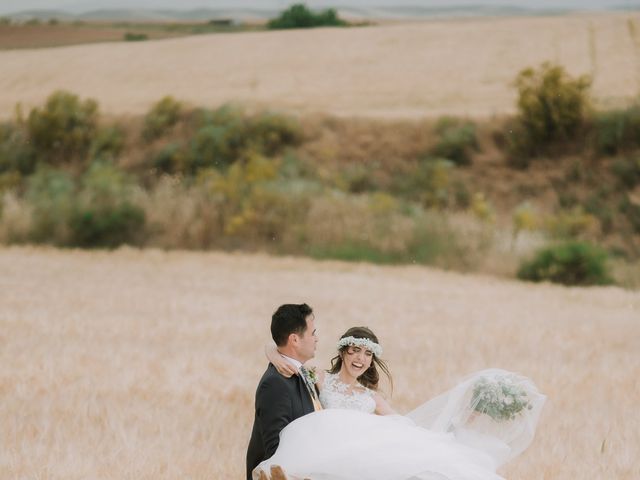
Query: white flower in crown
[361, 342]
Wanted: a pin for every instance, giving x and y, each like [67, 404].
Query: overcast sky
[7, 6]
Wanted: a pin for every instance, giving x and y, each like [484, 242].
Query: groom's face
[306, 344]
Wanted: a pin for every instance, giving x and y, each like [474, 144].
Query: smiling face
[356, 360]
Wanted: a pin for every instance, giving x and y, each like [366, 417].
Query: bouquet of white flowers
[500, 397]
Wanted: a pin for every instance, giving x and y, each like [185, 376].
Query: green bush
[269, 133]
[135, 37]
[300, 16]
[215, 146]
[103, 214]
[429, 184]
[628, 171]
[107, 144]
[617, 130]
[170, 159]
[106, 227]
[51, 196]
[162, 116]
[553, 109]
[572, 263]
[457, 141]
[226, 135]
[599, 205]
[632, 213]
[16, 153]
[63, 130]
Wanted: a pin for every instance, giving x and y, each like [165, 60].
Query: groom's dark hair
[289, 318]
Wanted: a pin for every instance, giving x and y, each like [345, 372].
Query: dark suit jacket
[279, 401]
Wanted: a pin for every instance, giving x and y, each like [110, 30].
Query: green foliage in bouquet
[500, 398]
[571, 263]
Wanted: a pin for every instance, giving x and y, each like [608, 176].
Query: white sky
[7, 6]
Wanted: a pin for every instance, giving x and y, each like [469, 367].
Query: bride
[464, 434]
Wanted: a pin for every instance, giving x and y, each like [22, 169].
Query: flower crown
[361, 342]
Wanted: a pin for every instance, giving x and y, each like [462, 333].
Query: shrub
[617, 130]
[482, 209]
[572, 263]
[64, 129]
[429, 183]
[457, 140]
[627, 170]
[170, 159]
[162, 116]
[300, 16]
[225, 115]
[106, 226]
[570, 224]
[356, 178]
[270, 132]
[215, 146]
[104, 215]
[598, 205]
[226, 135]
[553, 108]
[235, 186]
[51, 194]
[16, 153]
[107, 144]
[632, 212]
[135, 37]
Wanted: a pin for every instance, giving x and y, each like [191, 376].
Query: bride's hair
[370, 377]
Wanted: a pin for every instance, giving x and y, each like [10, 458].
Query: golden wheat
[143, 364]
[447, 67]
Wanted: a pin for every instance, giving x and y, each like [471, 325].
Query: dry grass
[143, 364]
[448, 67]
[40, 36]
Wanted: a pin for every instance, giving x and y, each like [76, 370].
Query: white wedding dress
[441, 440]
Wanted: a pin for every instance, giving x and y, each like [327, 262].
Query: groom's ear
[292, 339]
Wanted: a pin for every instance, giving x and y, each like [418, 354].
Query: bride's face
[356, 360]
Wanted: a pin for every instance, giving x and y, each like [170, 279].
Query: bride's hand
[284, 368]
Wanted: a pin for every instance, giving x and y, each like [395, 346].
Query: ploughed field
[143, 364]
[444, 67]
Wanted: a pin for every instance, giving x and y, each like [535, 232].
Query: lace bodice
[335, 394]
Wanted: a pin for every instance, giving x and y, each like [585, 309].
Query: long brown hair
[370, 377]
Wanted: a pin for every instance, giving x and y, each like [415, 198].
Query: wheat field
[429, 68]
[143, 364]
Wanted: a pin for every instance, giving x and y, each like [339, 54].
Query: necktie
[310, 388]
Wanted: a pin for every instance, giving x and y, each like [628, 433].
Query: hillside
[452, 67]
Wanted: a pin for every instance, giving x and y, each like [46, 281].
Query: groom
[280, 400]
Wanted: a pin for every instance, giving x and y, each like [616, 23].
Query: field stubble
[143, 364]
[431, 68]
